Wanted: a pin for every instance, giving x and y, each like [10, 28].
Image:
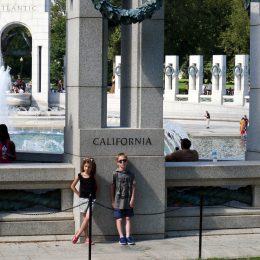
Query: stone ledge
[36, 172]
[212, 222]
[236, 231]
[19, 239]
[13, 217]
[211, 211]
[36, 227]
[222, 170]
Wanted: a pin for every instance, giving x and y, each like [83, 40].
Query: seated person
[183, 155]
[7, 147]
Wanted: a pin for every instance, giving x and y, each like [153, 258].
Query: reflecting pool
[38, 141]
[228, 148]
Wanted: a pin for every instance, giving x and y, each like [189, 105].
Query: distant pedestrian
[242, 127]
[207, 116]
[246, 122]
[88, 187]
[243, 124]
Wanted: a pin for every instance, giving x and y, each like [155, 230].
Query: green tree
[205, 27]
[114, 43]
[193, 26]
[235, 38]
[58, 39]
[16, 45]
[114, 48]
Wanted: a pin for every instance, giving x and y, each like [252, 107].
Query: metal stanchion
[201, 215]
[90, 227]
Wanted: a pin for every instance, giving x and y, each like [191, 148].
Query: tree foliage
[206, 27]
[58, 39]
[235, 38]
[16, 47]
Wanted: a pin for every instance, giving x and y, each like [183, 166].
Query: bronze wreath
[117, 15]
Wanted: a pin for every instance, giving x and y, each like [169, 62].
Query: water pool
[229, 148]
[38, 141]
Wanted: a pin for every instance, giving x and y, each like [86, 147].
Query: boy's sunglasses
[121, 161]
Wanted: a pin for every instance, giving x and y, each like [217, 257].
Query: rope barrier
[99, 204]
[137, 214]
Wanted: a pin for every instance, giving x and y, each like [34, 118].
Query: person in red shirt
[7, 147]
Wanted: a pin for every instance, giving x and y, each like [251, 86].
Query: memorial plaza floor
[177, 248]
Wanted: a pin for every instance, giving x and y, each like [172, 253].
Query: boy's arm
[113, 193]
[132, 200]
[113, 190]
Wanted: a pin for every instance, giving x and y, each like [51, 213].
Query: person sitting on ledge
[7, 147]
[183, 155]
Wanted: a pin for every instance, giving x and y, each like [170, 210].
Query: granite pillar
[253, 141]
[142, 71]
[141, 138]
[142, 61]
[117, 74]
[86, 80]
[195, 78]
[218, 79]
[241, 79]
[171, 80]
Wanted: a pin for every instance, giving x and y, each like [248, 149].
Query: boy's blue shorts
[122, 213]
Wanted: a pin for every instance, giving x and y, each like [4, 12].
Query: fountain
[5, 85]
[38, 140]
[173, 133]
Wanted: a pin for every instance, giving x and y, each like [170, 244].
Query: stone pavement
[177, 248]
[217, 128]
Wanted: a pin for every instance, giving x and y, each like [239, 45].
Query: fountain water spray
[5, 86]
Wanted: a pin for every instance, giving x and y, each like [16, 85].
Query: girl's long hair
[4, 135]
[92, 163]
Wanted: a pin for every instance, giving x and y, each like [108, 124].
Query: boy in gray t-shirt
[123, 198]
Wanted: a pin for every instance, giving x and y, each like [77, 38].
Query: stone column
[171, 80]
[41, 56]
[241, 79]
[253, 141]
[86, 133]
[218, 79]
[142, 112]
[86, 81]
[195, 78]
[117, 75]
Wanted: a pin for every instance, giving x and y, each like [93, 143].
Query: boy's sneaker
[122, 241]
[130, 241]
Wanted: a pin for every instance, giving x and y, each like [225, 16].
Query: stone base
[31, 225]
[214, 218]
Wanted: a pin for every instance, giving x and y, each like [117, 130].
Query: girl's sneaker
[130, 241]
[122, 241]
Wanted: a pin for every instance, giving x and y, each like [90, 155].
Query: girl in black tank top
[88, 186]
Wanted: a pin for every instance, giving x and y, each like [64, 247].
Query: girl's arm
[73, 185]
